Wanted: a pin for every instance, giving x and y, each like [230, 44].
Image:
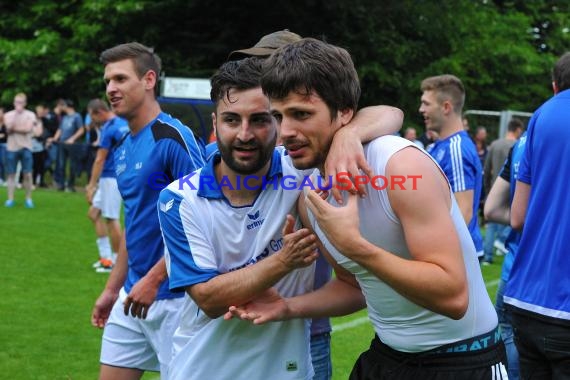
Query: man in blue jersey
[441, 107]
[137, 309]
[102, 192]
[406, 247]
[538, 292]
[226, 242]
[498, 210]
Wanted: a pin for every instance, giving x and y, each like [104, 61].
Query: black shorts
[442, 363]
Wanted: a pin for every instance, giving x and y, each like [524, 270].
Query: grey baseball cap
[266, 45]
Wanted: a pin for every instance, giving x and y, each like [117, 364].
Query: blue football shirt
[145, 163]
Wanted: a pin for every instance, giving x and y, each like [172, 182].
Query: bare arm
[239, 287]
[465, 202]
[375, 121]
[96, 170]
[435, 278]
[24, 127]
[497, 205]
[104, 303]
[520, 204]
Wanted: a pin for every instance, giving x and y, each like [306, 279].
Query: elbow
[206, 302]
[398, 116]
[517, 220]
[457, 305]
[459, 308]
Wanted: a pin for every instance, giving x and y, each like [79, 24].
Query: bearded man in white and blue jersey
[136, 308]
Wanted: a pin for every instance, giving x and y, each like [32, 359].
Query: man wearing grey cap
[266, 45]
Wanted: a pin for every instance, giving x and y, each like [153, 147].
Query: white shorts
[144, 344]
[108, 199]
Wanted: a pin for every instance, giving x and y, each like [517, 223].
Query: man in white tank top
[405, 246]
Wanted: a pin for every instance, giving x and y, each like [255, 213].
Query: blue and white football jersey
[457, 157]
[146, 163]
[205, 237]
[111, 134]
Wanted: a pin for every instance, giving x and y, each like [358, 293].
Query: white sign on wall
[186, 88]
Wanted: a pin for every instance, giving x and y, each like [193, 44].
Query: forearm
[520, 204]
[497, 205]
[76, 135]
[375, 121]
[336, 298]
[237, 287]
[119, 273]
[97, 168]
[435, 287]
[157, 274]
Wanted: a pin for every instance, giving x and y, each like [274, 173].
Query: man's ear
[345, 116]
[150, 79]
[214, 122]
[447, 107]
[555, 87]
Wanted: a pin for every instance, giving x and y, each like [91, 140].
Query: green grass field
[49, 289]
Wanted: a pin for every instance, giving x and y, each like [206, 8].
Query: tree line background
[502, 50]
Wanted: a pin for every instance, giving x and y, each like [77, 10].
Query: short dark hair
[69, 103]
[447, 87]
[311, 65]
[515, 124]
[144, 58]
[96, 105]
[561, 72]
[241, 75]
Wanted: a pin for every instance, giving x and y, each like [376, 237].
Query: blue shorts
[22, 155]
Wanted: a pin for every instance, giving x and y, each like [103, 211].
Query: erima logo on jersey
[254, 216]
[164, 207]
[138, 165]
[123, 154]
[258, 222]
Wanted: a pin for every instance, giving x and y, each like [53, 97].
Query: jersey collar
[208, 172]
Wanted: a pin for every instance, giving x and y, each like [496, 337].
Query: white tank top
[400, 323]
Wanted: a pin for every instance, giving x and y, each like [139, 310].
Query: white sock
[104, 246]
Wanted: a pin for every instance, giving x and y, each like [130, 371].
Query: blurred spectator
[410, 134]
[480, 140]
[67, 136]
[50, 124]
[20, 125]
[3, 139]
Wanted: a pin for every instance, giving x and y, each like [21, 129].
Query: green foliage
[502, 50]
